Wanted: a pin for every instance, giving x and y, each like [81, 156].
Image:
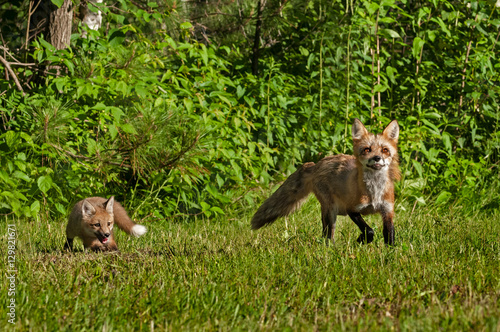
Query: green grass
[443, 274]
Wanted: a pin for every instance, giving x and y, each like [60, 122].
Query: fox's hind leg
[329, 218]
[366, 231]
[68, 245]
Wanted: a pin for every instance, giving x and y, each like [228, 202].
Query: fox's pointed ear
[109, 204]
[88, 210]
[392, 131]
[358, 130]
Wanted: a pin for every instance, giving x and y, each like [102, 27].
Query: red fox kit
[92, 220]
[344, 185]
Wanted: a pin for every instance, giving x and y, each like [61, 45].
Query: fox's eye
[385, 150]
[109, 224]
[97, 225]
[367, 150]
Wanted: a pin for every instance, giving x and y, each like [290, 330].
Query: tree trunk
[54, 23]
[256, 41]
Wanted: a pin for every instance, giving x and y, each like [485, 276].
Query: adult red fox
[344, 185]
[92, 220]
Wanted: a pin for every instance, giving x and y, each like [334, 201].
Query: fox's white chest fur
[376, 182]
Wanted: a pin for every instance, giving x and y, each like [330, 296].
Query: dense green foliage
[172, 126]
[220, 276]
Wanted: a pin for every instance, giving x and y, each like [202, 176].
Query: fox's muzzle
[103, 237]
[376, 162]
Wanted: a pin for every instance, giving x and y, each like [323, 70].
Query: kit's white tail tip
[138, 230]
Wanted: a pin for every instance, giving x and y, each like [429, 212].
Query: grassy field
[443, 274]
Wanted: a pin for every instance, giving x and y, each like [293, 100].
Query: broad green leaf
[116, 38]
[204, 54]
[447, 142]
[432, 115]
[186, 26]
[391, 72]
[420, 200]
[443, 26]
[141, 90]
[58, 3]
[158, 102]
[115, 17]
[372, 7]
[240, 91]
[188, 104]
[69, 65]
[389, 33]
[443, 197]
[113, 131]
[11, 138]
[91, 146]
[47, 45]
[432, 127]
[217, 209]
[117, 114]
[379, 88]
[418, 168]
[431, 34]
[390, 3]
[128, 128]
[35, 207]
[60, 208]
[21, 175]
[26, 137]
[418, 43]
[44, 183]
[122, 87]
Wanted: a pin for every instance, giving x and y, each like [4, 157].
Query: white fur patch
[389, 207]
[376, 182]
[138, 230]
[361, 207]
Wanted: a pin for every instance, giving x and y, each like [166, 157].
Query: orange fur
[344, 185]
[93, 219]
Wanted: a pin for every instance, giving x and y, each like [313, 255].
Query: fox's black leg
[366, 231]
[69, 244]
[329, 218]
[388, 227]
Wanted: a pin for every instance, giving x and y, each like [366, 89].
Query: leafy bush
[175, 127]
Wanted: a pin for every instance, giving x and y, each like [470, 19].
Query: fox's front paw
[366, 237]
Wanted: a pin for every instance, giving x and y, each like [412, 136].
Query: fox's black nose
[107, 234]
[376, 158]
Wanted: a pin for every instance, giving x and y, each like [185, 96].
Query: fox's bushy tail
[286, 199]
[123, 221]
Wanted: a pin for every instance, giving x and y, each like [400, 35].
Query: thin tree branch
[14, 77]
